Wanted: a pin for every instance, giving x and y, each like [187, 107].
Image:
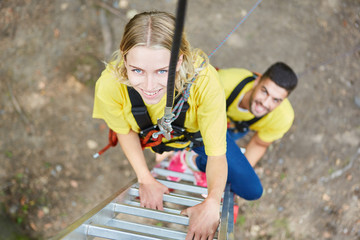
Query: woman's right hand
[151, 194]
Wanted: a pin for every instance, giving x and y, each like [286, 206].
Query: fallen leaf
[326, 197]
[56, 33]
[327, 235]
[33, 226]
[22, 200]
[40, 214]
[74, 183]
[47, 226]
[349, 177]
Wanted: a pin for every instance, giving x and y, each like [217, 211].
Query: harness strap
[238, 89]
[242, 126]
[139, 109]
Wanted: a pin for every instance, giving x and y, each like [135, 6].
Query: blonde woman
[141, 68]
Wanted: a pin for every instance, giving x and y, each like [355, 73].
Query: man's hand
[151, 194]
[204, 219]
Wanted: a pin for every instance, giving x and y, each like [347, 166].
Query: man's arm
[256, 149]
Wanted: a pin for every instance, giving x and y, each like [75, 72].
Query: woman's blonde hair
[156, 29]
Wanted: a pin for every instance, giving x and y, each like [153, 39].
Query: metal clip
[165, 129]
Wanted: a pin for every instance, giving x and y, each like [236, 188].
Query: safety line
[175, 48]
[236, 27]
[186, 92]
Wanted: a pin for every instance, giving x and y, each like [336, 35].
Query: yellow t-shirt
[207, 108]
[269, 128]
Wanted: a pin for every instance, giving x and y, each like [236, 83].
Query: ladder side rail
[226, 214]
[231, 235]
[76, 230]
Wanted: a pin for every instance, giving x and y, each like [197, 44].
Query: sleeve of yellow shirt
[108, 102]
[211, 114]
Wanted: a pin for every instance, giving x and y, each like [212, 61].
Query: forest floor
[51, 54]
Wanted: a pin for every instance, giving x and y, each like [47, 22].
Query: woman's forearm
[216, 175]
[130, 143]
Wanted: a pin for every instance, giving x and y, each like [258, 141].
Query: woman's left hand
[204, 219]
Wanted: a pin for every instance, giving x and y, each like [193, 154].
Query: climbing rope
[236, 27]
[186, 93]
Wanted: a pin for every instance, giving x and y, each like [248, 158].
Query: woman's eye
[137, 70]
[162, 71]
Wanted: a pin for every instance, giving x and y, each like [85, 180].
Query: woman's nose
[149, 82]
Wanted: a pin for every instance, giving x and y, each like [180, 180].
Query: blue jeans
[241, 175]
[237, 135]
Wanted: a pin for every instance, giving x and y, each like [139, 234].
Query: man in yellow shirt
[259, 103]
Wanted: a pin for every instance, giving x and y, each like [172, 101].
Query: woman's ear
[178, 65]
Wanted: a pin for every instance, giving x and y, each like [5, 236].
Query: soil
[51, 56]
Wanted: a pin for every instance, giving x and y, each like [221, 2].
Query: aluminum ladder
[121, 217]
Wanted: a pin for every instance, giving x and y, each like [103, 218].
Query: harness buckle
[165, 129]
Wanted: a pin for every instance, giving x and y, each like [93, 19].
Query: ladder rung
[165, 172]
[165, 164]
[173, 198]
[142, 228]
[113, 233]
[137, 204]
[184, 187]
[151, 213]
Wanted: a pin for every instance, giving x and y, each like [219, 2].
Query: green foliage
[240, 221]
[47, 165]
[19, 177]
[8, 154]
[282, 176]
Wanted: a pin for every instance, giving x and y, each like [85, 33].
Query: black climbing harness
[147, 128]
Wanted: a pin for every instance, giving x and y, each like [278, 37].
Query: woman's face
[147, 70]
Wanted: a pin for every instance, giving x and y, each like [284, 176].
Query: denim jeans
[237, 135]
[241, 175]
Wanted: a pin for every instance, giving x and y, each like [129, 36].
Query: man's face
[266, 96]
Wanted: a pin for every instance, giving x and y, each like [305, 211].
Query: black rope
[179, 26]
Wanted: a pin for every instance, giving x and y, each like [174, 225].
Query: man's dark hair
[282, 75]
